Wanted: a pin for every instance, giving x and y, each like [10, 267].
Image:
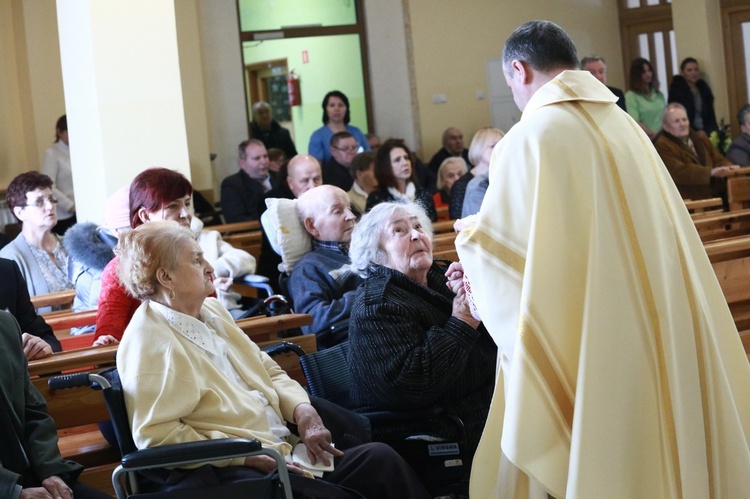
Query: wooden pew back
[723, 225]
[700, 206]
[248, 241]
[738, 193]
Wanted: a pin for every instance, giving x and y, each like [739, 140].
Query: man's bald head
[303, 173]
[326, 214]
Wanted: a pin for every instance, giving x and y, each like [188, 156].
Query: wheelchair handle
[69, 381]
[76, 380]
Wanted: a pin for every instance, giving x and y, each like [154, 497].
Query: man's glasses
[346, 149]
[40, 202]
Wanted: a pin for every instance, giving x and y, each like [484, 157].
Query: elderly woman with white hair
[413, 342]
[451, 169]
[189, 374]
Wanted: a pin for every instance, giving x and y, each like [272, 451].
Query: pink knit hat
[117, 209]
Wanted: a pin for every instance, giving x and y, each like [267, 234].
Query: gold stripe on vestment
[502, 252]
[696, 331]
[563, 406]
[645, 286]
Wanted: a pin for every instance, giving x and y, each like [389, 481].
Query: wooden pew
[723, 225]
[264, 329]
[248, 241]
[227, 229]
[289, 362]
[59, 298]
[443, 226]
[701, 206]
[444, 246]
[730, 259]
[76, 412]
[738, 193]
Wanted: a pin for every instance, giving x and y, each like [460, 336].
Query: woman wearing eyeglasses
[38, 252]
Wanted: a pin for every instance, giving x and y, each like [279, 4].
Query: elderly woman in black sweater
[413, 342]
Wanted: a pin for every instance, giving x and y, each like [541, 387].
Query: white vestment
[622, 373]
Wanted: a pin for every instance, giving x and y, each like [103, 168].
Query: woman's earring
[171, 294]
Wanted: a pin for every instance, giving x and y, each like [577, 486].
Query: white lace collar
[199, 333]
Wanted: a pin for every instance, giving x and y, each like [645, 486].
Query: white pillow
[285, 232]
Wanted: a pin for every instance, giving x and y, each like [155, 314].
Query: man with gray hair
[622, 374]
[267, 130]
[597, 66]
[739, 151]
[695, 165]
[322, 283]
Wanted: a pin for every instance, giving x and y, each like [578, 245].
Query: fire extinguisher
[292, 88]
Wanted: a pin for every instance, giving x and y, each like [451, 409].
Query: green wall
[260, 15]
[335, 63]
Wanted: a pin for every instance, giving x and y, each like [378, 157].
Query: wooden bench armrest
[261, 329]
[59, 322]
[54, 299]
[73, 359]
[251, 225]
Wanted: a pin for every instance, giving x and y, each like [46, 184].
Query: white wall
[390, 83]
[225, 88]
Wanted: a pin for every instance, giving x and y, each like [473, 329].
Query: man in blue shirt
[322, 282]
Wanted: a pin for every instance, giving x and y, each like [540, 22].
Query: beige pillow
[285, 232]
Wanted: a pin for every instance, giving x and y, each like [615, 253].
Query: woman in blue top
[336, 119]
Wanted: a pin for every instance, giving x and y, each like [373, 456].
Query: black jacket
[28, 453]
[242, 198]
[14, 297]
[422, 197]
[406, 351]
[334, 173]
[277, 137]
[679, 91]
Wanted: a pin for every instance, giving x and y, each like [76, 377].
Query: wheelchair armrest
[189, 452]
[256, 281]
[284, 347]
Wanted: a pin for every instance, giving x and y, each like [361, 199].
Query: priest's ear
[521, 70]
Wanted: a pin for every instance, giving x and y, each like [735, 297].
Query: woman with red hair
[163, 194]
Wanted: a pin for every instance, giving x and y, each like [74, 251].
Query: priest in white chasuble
[622, 373]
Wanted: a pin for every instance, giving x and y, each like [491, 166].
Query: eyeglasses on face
[346, 149]
[40, 202]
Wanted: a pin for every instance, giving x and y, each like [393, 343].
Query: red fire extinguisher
[292, 88]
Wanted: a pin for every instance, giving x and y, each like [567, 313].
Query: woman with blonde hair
[480, 152]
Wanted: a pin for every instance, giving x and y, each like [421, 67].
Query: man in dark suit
[453, 145]
[38, 339]
[596, 65]
[267, 130]
[336, 170]
[30, 462]
[242, 193]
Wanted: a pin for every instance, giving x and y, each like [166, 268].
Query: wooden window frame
[358, 28]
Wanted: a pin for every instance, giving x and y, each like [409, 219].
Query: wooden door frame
[359, 28]
[732, 18]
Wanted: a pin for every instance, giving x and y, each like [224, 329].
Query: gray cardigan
[19, 251]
